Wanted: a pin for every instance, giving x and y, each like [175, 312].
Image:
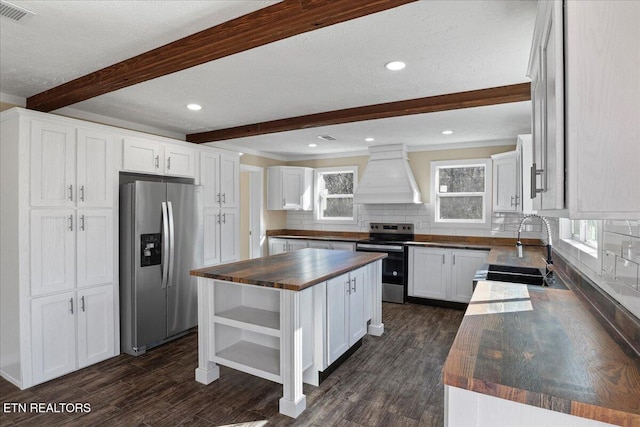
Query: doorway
[251, 222]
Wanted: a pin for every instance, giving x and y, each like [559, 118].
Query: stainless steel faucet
[519, 245]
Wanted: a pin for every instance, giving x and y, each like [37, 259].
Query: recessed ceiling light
[369, 139]
[194, 107]
[447, 132]
[326, 137]
[313, 145]
[395, 65]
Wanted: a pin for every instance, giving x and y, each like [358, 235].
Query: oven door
[393, 269]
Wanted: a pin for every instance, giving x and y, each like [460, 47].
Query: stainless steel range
[390, 238]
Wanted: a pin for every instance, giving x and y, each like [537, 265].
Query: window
[461, 191]
[585, 231]
[335, 188]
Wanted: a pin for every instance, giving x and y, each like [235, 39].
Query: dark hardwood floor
[392, 380]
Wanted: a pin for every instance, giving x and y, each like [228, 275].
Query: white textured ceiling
[449, 46]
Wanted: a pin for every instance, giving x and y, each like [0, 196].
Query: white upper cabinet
[95, 169]
[289, 188]
[546, 70]
[158, 158]
[142, 155]
[179, 161]
[53, 164]
[506, 182]
[210, 178]
[586, 103]
[229, 180]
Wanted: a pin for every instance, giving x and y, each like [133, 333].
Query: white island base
[285, 336]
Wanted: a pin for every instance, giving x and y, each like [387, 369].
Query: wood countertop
[542, 347]
[293, 270]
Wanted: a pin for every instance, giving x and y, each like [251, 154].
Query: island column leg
[293, 402]
[376, 327]
[207, 371]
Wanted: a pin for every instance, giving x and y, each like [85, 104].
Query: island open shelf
[287, 317]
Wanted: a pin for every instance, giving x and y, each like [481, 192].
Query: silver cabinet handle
[218, 218]
[224, 218]
[168, 163]
[82, 223]
[70, 222]
[354, 284]
[82, 303]
[512, 197]
[224, 198]
[284, 202]
[348, 283]
[82, 193]
[443, 258]
[157, 161]
[70, 188]
[218, 198]
[453, 259]
[534, 184]
[71, 305]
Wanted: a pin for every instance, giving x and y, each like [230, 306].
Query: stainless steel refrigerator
[160, 242]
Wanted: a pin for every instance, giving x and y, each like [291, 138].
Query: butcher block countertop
[542, 347]
[293, 270]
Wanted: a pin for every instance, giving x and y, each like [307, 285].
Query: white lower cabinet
[346, 322]
[280, 246]
[53, 336]
[443, 274]
[95, 325]
[333, 245]
[71, 330]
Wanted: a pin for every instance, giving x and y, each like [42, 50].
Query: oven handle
[379, 248]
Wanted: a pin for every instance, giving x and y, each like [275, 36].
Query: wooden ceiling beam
[270, 24]
[453, 101]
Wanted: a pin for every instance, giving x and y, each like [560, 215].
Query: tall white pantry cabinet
[58, 273]
[59, 294]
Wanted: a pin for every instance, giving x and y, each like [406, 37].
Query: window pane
[591, 233]
[468, 207]
[575, 228]
[338, 208]
[338, 183]
[461, 180]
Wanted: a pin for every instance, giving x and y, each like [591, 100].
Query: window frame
[485, 222]
[319, 186]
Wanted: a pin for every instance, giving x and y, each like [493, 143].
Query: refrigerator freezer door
[149, 297]
[185, 208]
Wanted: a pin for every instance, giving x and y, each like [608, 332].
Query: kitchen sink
[509, 273]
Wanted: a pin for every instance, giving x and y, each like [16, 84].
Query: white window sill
[586, 249]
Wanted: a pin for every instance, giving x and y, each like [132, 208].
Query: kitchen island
[529, 356]
[287, 317]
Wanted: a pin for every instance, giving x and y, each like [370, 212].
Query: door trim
[258, 238]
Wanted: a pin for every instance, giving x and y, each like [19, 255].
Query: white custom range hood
[387, 178]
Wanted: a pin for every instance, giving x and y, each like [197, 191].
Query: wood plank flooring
[393, 380]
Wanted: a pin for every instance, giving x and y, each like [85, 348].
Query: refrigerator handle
[165, 245]
[172, 255]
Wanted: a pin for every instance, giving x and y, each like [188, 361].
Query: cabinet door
[95, 325]
[337, 317]
[53, 336]
[229, 181]
[296, 245]
[464, 264]
[141, 155]
[357, 322]
[292, 188]
[538, 140]
[210, 178]
[53, 160]
[229, 235]
[340, 246]
[277, 246]
[430, 273]
[506, 197]
[95, 247]
[211, 236]
[52, 250]
[179, 161]
[551, 67]
[319, 244]
[95, 169]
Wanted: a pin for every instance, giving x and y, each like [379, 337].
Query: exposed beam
[267, 25]
[453, 101]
